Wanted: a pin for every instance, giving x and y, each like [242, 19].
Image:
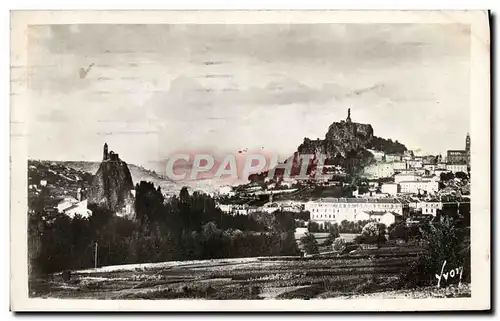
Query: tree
[334, 233]
[313, 227]
[398, 231]
[461, 175]
[339, 244]
[446, 176]
[444, 240]
[372, 233]
[309, 243]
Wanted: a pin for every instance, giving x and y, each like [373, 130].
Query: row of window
[325, 216]
[357, 205]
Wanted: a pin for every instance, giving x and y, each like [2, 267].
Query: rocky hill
[346, 145]
[112, 187]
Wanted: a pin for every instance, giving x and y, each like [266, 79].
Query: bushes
[372, 233]
[339, 245]
[444, 240]
[334, 233]
[309, 243]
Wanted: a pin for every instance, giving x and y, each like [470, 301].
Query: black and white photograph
[316, 158]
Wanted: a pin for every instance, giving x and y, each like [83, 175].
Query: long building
[335, 210]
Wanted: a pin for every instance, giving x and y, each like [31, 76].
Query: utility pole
[95, 256]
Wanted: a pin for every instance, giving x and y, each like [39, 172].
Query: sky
[151, 90]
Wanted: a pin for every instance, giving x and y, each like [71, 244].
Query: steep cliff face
[341, 139]
[112, 187]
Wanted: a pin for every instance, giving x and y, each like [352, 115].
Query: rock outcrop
[346, 145]
[112, 187]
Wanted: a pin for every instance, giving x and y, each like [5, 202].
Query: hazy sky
[155, 89]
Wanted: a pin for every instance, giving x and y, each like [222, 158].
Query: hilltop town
[390, 188]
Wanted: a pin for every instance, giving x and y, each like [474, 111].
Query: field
[366, 273]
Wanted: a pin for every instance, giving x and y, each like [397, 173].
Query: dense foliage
[447, 247]
[387, 145]
[309, 243]
[372, 233]
[179, 228]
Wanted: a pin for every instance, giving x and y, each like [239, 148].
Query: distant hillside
[138, 173]
[49, 182]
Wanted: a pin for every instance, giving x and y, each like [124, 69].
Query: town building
[430, 206]
[454, 168]
[419, 187]
[71, 207]
[393, 157]
[390, 189]
[460, 156]
[226, 191]
[430, 168]
[414, 163]
[407, 176]
[379, 170]
[399, 165]
[377, 155]
[335, 210]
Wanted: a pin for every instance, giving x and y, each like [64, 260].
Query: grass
[299, 278]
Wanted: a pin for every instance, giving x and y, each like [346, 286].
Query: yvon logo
[450, 274]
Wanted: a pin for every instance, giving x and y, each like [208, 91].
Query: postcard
[250, 161]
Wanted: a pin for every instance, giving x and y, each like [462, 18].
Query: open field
[366, 273]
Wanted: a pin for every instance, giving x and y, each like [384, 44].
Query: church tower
[467, 143]
[348, 115]
[105, 152]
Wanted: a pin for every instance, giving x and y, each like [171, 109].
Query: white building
[393, 158]
[270, 207]
[454, 168]
[399, 165]
[79, 208]
[390, 188]
[379, 170]
[430, 167]
[407, 176]
[441, 166]
[43, 182]
[419, 187]
[226, 190]
[335, 210]
[234, 209]
[377, 154]
[226, 208]
[414, 163]
[430, 207]
[66, 203]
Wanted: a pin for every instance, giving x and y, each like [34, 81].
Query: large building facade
[335, 210]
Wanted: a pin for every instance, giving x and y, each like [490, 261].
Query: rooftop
[356, 200]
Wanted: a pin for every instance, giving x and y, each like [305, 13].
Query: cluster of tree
[401, 231]
[349, 227]
[449, 176]
[387, 145]
[179, 228]
[445, 240]
[309, 244]
[372, 233]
